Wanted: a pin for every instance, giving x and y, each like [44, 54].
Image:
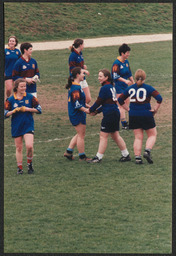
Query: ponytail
[72, 77]
[76, 44]
[70, 80]
[140, 77]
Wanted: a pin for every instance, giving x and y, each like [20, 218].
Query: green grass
[61, 21]
[110, 207]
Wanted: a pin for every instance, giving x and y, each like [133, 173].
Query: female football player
[107, 103]
[12, 54]
[122, 77]
[77, 113]
[27, 68]
[76, 60]
[21, 107]
[141, 114]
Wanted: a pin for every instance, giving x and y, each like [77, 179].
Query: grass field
[61, 21]
[110, 207]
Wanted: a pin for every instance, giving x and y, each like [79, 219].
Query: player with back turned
[141, 114]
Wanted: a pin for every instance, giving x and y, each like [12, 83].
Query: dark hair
[17, 82]
[14, 38]
[25, 46]
[124, 48]
[73, 75]
[140, 77]
[106, 74]
[76, 44]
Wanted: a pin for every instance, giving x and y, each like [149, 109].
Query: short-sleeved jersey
[75, 60]
[11, 56]
[22, 122]
[76, 100]
[140, 98]
[23, 69]
[120, 69]
[106, 99]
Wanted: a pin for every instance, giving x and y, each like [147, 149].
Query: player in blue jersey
[27, 68]
[76, 60]
[141, 114]
[12, 54]
[107, 103]
[77, 113]
[122, 77]
[21, 107]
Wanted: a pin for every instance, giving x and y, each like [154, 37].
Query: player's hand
[153, 111]
[23, 109]
[93, 114]
[30, 80]
[36, 78]
[128, 82]
[15, 110]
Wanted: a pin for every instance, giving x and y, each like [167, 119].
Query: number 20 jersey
[140, 98]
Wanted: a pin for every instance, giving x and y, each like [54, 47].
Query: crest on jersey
[24, 67]
[7, 53]
[127, 65]
[17, 52]
[33, 65]
[26, 101]
[15, 105]
[121, 66]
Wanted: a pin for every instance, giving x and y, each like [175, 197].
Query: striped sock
[19, 164]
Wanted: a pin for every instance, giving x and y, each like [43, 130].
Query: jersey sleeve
[75, 95]
[16, 71]
[115, 72]
[99, 101]
[7, 108]
[35, 104]
[123, 96]
[155, 94]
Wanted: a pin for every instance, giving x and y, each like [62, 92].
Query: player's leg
[122, 146]
[81, 131]
[137, 145]
[103, 142]
[85, 87]
[123, 114]
[29, 142]
[8, 87]
[19, 154]
[151, 139]
[69, 152]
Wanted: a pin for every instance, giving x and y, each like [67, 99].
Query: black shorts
[141, 122]
[7, 78]
[110, 122]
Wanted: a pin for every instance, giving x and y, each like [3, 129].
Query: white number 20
[143, 95]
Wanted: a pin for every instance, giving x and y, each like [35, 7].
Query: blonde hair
[140, 77]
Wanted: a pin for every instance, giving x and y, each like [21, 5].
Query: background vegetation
[61, 21]
[68, 206]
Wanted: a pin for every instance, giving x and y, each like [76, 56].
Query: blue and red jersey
[22, 122]
[140, 98]
[23, 69]
[76, 100]
[106, 99]
[11, 56]
[75, 60]
[120, 69]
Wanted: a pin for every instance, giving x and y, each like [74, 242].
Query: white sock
[125, 152]
[100, 156]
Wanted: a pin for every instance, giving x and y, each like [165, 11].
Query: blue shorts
[141, 122]
[120, 87]
[110, 122]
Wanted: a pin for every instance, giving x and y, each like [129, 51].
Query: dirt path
[103, 41]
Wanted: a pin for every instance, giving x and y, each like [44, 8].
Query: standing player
[111, 116]
[12, 54]
[122, 77]
[21, 106]
[141, 114]
[77, 113]
[27, 68]
[76, 60]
